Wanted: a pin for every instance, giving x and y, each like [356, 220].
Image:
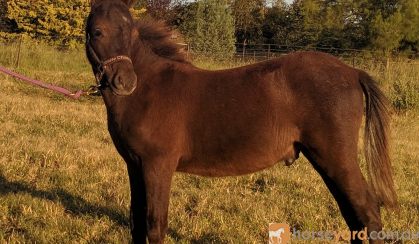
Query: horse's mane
[157, 36]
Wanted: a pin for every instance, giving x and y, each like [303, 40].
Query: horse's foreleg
[138, 203]
[157, 178]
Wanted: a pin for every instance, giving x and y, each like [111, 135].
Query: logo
[279, 233]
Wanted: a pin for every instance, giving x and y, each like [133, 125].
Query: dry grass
[62, 181]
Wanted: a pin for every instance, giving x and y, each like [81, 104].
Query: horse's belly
[221, 169]
[232, 164]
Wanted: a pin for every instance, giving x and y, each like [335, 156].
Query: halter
[101, 66]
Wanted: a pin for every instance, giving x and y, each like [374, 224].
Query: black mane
[157, 36]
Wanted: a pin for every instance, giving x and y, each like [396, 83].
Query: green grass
[61, 179]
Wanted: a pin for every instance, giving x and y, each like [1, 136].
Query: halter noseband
[103, 65]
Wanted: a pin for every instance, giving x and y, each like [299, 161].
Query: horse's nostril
[123, 83]
[119, 82]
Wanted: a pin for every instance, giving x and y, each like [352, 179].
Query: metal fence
[260, 52]
[246, 53]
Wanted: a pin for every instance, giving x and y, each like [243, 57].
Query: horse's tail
[376, 142]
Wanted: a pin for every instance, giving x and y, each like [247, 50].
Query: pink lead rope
[74, 95]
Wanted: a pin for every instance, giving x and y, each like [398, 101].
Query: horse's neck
[113, 104]
[149, 69]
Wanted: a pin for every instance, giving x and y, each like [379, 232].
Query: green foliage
[404, 95]
[282, 25]
[388, 26]
[249, 16]
[382, 25]
[387, 34]
[6, 37]
[410, 23]
[60, 22]
[212, 29]
[4, 25]
[332, 23]
[396, 23]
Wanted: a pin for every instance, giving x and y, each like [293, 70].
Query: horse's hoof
[289, 162]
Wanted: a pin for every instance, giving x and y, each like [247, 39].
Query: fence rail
[260, 52]
[254, 52]
[267, 51]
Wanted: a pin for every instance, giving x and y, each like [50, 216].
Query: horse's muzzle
[124, 81]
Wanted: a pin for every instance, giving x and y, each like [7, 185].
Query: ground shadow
[208, 238]
[73, 204]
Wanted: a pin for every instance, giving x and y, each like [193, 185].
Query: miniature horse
[165, 115]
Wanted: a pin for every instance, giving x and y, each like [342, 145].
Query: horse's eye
[97, 33]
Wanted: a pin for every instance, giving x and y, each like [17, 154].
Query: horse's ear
[130, 3]
[94, 2]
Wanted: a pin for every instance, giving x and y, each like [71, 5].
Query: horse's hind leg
[336, 162]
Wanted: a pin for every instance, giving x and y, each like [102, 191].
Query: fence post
[388, 66]
[244, 49]
[18, 51]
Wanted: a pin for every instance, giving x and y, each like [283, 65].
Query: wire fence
[246, 53]
[259, 52]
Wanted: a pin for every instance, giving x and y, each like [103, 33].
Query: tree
[284, 24]
[249, 16]
[5, 25]
[56, 21]
[410, 23]
[212, 29]
[387, 32]
[355, 24]
[161, 9]
[331, 23]
[395, 25]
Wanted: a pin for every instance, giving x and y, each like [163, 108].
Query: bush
[59, 22]
[404, 95]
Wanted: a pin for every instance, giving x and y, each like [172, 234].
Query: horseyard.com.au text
[352, 235]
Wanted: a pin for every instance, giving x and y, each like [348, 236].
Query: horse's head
[110, 32]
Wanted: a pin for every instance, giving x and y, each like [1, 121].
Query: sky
[288, 1]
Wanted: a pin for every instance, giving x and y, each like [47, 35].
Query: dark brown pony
[165, 115]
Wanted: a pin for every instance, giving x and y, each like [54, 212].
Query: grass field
[61, 179]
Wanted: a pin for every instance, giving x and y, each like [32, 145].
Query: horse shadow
[75, 205]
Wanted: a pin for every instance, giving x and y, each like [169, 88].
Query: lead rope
[92, 91]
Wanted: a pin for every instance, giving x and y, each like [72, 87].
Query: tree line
[213, 26]
[385, 25]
